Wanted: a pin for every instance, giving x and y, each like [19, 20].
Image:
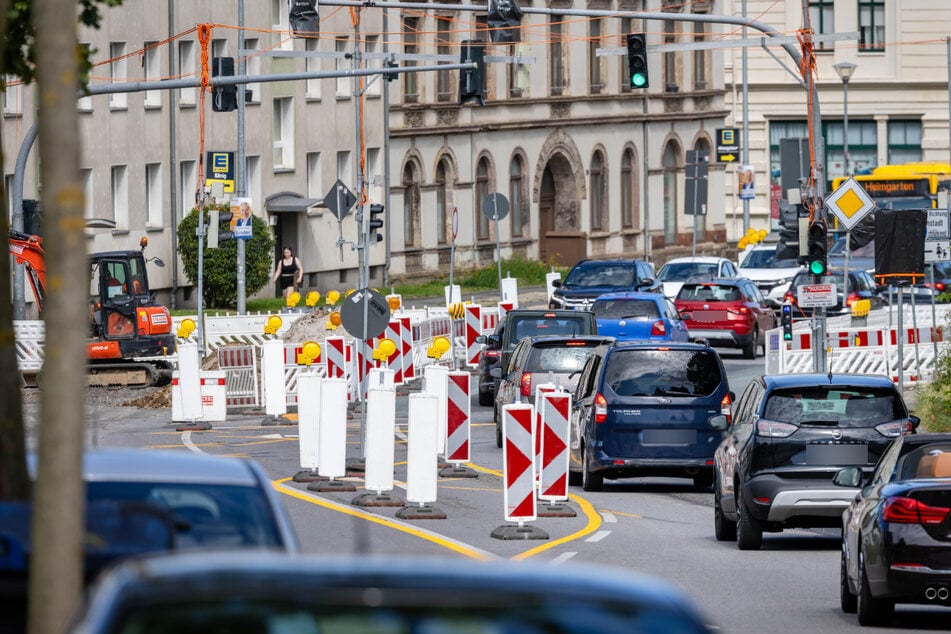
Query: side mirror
[773, 303]
[158, 262]
[718, 422]
[495, 373]
[647, 281]
[493, 340]
[850, 477]
[482, 339]
[556, 283]
[915, 421]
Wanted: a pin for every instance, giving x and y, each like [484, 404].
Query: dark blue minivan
[642, 409]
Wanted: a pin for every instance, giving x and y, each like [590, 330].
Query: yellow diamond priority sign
[849, 203]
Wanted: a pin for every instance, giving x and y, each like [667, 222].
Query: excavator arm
[28, 250]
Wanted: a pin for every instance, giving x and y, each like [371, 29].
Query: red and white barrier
[365, 363]
[421, 449]
[505, 307]
[473, 330]
[308, 417]
[555, 408]
[379, 447]
[458, 418]
[394, 332]
[338, 357]
[214, 395]
[542, 388]
[332, 431]
[406, 345]
[518, 423]
[189, 384]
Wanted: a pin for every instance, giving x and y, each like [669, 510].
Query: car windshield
[766, 259]
[625, 309]
[709, 293]
[844, 406]
[560, 359]
[679, 271]
[537, 326]
[663, 372]
[620, 274]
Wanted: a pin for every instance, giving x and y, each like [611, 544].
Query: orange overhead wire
[807, 69]
[355, 22]
[204, 37]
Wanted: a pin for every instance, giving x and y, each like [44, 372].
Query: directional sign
[937, 225]
[728, 145]
[220, 167]
[339, 200]
[815, 295]
[849, 203]
[937, 251]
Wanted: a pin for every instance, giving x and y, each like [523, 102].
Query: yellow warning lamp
[309, 352]
[394, 302]
[312, 298]
[350, 291]
[386, 346]
[333, 321]
[332, 298]
[438, 348]
[293, 299]
[272, 325]
[185, 329]
[457, 310]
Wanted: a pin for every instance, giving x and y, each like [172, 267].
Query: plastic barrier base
[508, 531]
[271, 421]
[457, 471]
[327, 486]
[308, 475]
[198, 425]
[376, 499]
[421, 512]
[556, 510]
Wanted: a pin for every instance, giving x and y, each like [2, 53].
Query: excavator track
[128, 375]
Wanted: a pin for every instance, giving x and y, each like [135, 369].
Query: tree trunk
[59, 493]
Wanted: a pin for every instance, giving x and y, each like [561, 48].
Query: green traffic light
[817, 267]
[787, 336]
[638, 80]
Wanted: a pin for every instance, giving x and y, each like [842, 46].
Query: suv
[790, 435]
[590, 278]
[528, 322]
[726, 313]
[771, 275]
[643, 409]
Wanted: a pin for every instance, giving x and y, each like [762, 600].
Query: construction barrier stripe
[553, 481]
[473, 330]
[519, 471]
[458, 413]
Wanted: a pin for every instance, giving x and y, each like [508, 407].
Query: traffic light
[376, 223]
[303, 17]
[472, 80]
[786, 321]
[637, 60]
[787, 248]
[390, 63]
[219, 227]
[818, 247]
[223, 98]
[503, 19]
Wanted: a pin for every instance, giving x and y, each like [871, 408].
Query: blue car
[639, 317]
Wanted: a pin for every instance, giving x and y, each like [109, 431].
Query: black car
[861, 286]
[489, 358]
[789, 436]
[590, 278]
[896, 534]
[643, 409]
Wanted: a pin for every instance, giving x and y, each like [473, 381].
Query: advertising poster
[241, 218]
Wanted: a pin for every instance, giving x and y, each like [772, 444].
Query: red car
[726, 312]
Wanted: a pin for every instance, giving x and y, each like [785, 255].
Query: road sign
[815, 295]
[339, 200]
[377, 314]
[849, 203]
[937, 251]
[455, 223]
[495, 206]
[696, 170]
[220, 168]
[728, 145]
[937, 225]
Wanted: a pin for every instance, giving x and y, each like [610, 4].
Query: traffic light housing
[219, 227]
[376, 222]
[787, 248]
[390, 63]
[637, 60]
[223, 98]
[472, 80]
[818, 248]
[786, 321]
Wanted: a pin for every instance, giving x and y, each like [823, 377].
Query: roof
[667, 345]
[709, 259]
[818, 380]
[633, 295]
[558, 339]
[158, 465]
[290, 202]
[725, 281]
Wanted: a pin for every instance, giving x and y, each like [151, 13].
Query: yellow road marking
[594, 523]
[624, 514]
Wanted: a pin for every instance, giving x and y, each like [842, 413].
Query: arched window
[599, 195]
[443, 231]
[482, 192]
[518, 198]
[670, 161]
[410, 205]
[630, 211]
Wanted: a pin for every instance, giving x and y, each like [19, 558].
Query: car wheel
[574, 478]
[724, 529]
[749, 530]
[590, 481]
[847, 600]
[749, 350]
[486, 398]
[871, 611]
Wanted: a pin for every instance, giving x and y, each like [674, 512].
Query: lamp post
[845, 70]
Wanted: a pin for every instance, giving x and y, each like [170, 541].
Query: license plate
[708, 315]
[668, 437]
[830, 455]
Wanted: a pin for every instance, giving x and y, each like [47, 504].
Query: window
[444, 29]
[85, 177]
[344, 169]
[152, 67]
[219, 48]
[904, 141]
[481, 193]
[120, 196]
[822, 21]
[372, 45]
[187, 67]
[252, 170]
[314, 187]
[410, 40]
[671, 76]
[595, 63]
[373, 172]
[670, 162]
[84, 104]
[628, 190]
[344, 84]
[12, 96]
[280, 25]
[556, 62]
[518, 197]
[188, 178]
[311, 64]
[410, 205]
[871, 25]
[154, 202]
[701, 57]
[598, 192]
[863, 146]
[283, 133]
[253, 64]
[117, 75]
[443, 229]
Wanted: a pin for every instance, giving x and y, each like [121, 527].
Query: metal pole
[386, 156]
[845, 274]
[19, 171]
[899, 338]
[241, 178]
[845, 125]
[934, 317]
[746, 124]
[948, 42]
[364, 227]
[646, 181]
[172, 152]
[498, 244]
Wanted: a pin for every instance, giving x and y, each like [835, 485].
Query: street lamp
[845, 70]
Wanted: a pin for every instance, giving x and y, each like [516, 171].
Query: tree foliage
[220, 286]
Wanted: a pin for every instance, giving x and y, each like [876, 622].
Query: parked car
[528, 322]
[771, 276]
[726, 312]
[896, 533]
[590, 278]
[861, 286]
[789, 436]
[538, 360]
[274, 592]
[678, 270]
[642, 409]
[489, 358]
[639, 317]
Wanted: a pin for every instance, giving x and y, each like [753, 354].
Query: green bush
[527, 272]
[933, 404]
[220, 286]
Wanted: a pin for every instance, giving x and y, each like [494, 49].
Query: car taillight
[491, 354]
[851, 299]
[774, 429]
[939, 286]
[525, 385]
[658, 329]
[788, 297]
[742, 310]
[600, 409]
[726, 408]
[895, 428]
[902, 510]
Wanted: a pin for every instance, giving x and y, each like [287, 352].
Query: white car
[679, 270]
[771, 276]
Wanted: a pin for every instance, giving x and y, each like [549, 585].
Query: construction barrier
[380, 430]
[187, 384]
[458, 415]
[394, 332]
[473, 330]
[543, 388]
[273, 387]
[308, 418]
[241, 365]
[518, 422]
[406, 348]
[332, 429]
[214, 394]
[555, 410]
[421, 449]
[436, 383]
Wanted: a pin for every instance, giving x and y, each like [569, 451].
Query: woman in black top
[290, 271]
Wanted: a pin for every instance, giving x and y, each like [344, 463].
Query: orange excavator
[130, 333]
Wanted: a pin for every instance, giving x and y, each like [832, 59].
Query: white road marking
[609, 518]
[598, 536]
[187, 441]
[562, 558]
